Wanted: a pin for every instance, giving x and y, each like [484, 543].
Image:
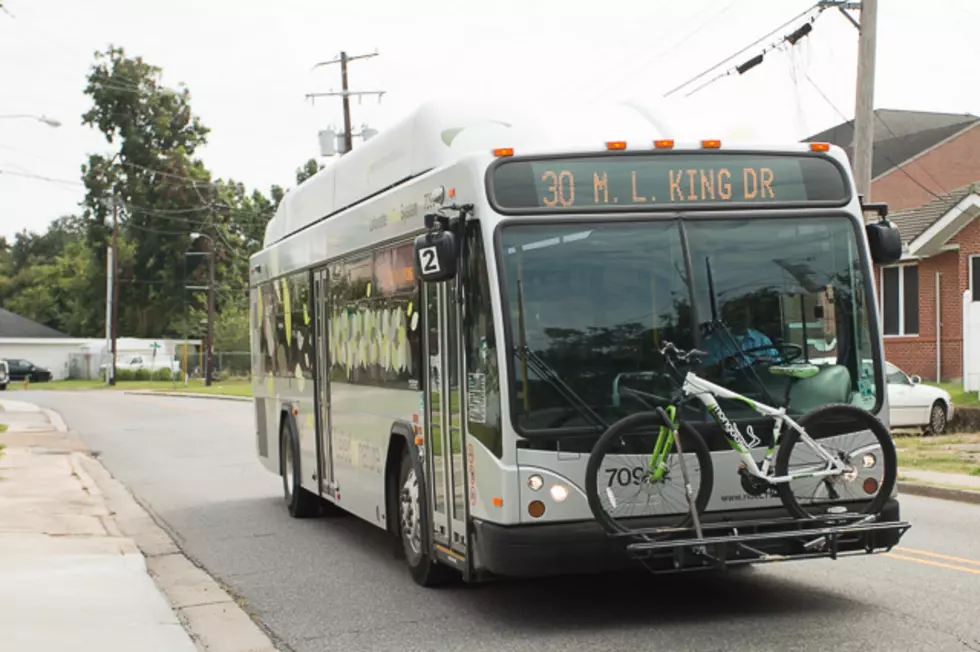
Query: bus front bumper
[584, 547]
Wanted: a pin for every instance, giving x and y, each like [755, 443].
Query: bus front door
[321, 323]
[445, 472]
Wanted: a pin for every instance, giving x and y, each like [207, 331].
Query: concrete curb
[219, 397]
[944, 493]
[55, 420]
[213, 618]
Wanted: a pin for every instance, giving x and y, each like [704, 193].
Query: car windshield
[588, 303]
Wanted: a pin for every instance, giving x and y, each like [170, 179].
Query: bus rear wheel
[414, 528]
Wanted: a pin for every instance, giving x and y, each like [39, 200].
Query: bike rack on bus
[727, 543]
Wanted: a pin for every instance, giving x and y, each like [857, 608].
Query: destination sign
[645, 181]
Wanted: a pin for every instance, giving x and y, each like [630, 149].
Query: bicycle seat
[799, 371]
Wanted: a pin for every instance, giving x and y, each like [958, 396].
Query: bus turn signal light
[710, 144]
[819, 147]
[503, 151]
[666, 143]
[616, 144]
[536, 509]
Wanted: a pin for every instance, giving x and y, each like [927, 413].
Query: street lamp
[51, 122]
[210, 289]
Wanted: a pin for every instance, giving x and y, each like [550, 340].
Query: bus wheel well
[397, 446]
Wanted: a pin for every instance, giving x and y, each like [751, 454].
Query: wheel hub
[288, 470]
[410, 516]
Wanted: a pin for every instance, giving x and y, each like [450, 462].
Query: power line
[744, 67]
[39, 177]
[848, 120]
[819, 6]
[665, 50]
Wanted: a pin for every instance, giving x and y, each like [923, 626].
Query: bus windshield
[589, 301]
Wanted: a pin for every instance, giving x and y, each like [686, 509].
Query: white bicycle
[655, 465]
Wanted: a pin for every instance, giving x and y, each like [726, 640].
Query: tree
[161, 193]
[307, 170]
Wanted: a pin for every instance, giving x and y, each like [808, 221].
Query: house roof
[912, 222]
[899, 136]
[13, 325]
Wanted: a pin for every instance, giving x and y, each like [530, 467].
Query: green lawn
[3, 428]
[232, 387]
[960, 398]
[946, 454]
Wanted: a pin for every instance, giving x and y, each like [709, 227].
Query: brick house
[926, 167]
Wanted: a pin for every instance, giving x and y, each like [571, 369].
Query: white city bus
[408, 403]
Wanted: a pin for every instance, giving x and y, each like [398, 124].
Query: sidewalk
[933, 484]
[72, 573]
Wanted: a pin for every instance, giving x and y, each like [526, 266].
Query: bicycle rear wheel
[621, 493]
[853, 435]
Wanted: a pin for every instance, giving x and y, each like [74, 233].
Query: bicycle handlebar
[692, 356]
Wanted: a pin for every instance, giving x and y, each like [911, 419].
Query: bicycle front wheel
[622, 491]
[852, 435]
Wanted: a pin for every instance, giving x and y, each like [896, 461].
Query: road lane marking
[974, 571]
[937, 555]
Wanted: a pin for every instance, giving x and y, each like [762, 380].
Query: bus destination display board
[644, 181]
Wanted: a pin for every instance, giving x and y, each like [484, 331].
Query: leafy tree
[160, 192]
[307, 170]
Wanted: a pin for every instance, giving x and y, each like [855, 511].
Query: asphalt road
[332, 584]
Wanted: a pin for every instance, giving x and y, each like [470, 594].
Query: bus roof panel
[439, 133]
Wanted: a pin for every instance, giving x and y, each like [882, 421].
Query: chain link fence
[227, 364]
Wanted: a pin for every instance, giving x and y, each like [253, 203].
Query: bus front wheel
[300, 502]
[414, 528]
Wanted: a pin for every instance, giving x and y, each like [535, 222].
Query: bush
[965, 419]
[162, 374]
[125, 375]
[142, 374]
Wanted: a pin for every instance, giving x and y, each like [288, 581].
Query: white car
[912, 404]
[150, 363]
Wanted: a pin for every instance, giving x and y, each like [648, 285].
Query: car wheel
[937, 419]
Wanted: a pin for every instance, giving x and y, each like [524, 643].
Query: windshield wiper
[547, 374]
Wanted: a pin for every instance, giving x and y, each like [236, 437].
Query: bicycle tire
[824, 418]
[691, 441]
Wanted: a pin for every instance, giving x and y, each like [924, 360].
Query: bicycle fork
[692, 505]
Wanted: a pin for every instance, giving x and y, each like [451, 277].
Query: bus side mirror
[885, 242]
[435, 256]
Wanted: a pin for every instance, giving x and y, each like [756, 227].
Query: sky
[250, 65]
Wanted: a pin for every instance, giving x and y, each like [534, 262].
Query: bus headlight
[535, 482]
[559, 492]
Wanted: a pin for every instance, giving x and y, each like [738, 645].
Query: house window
[900, 299]
[975, 277]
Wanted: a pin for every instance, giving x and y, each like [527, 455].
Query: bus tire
[300, 502]
[414, 528]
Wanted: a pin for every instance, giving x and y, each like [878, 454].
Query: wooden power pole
[208, 361]
[115, 284]
[346, 93]
[864, 112]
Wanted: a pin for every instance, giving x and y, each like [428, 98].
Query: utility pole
[345, 93]
[109, 261]
[210, 337]
[115, 284]
[864, 115]
[348, 138]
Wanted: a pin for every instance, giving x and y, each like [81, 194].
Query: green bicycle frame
[665, 441]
